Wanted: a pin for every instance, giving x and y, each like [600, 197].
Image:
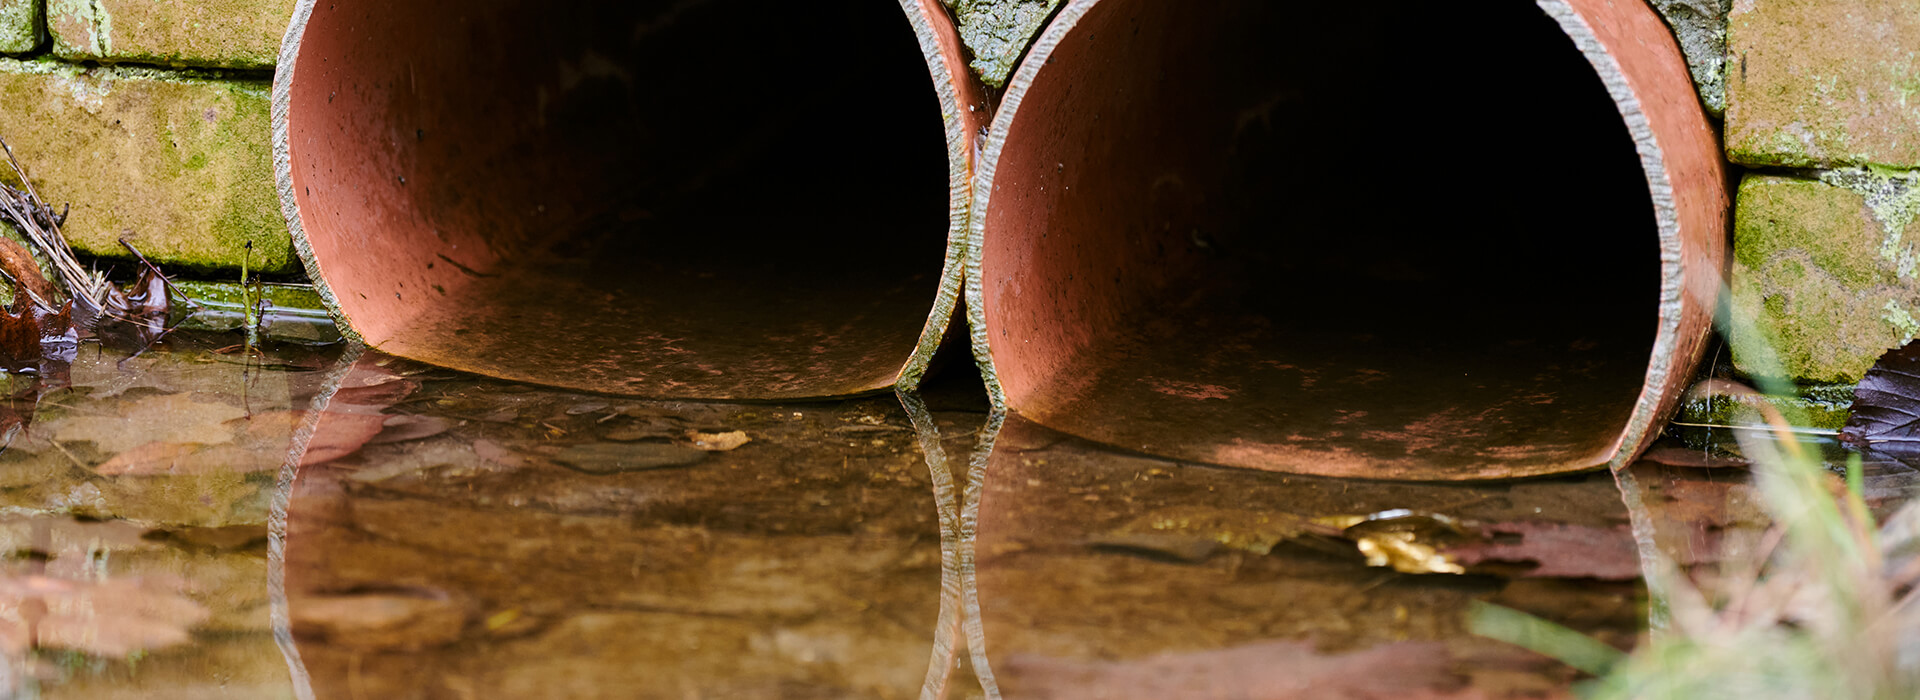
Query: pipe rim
[962, 105]
[1691, 281]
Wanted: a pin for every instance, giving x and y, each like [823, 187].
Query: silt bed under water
[335, 523]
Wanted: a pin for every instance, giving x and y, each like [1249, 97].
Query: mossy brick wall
[150, 117]
[1823, 110]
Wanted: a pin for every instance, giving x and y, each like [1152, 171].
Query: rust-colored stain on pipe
[1403, 240]
[730, 199]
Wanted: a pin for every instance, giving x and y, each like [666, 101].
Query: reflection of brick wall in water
[152, 120]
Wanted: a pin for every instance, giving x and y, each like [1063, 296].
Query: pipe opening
[723, 199]
[1392, 239]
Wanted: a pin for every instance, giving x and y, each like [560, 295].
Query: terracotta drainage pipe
[701, 199]
[1404, 240]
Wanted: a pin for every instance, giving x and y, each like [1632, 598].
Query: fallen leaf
[340, 434]
[1557, 550]
[717, 442]
[456, 458]
[21, 267]
[32, 336]
[381, 620]
[336, 435]
[1409, 541]
[1260, 671]
[496, 453]
[134, 318]
[1406, 553]
[402, 428]
[611, 458]
[151, 458]
[1886, 406]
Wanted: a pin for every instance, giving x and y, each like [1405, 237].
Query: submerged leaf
[1557, 550]
[402, 428]
[1277, 670]
[717, 442]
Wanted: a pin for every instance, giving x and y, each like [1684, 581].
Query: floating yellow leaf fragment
[1405, 553]
[717, 442]
[502, 618]
[1406, 540]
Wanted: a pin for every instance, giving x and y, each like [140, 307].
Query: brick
[179, 165]
[1820, 83]
[1826, 271]
[186, 33]
[21, 30]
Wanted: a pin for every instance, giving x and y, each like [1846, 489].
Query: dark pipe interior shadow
[1400, 240]
[721, 199]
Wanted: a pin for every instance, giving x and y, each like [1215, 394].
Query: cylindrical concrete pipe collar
[738, 200]
[1392, 240]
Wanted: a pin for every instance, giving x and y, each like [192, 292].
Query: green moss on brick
[1818, 83]
[175, 162]
[203, 33]
[1825, 270]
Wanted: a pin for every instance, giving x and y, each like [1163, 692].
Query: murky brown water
[447, 536]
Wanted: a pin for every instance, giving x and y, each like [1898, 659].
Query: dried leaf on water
[717, 442]
[1557, 550]
[380, 620]
[402, 428]
[185, 458]
[32, 336]
[151, 458]
[135, 318]
[1406, 540]
[339, 434]
[1886, 406]
[498, 454]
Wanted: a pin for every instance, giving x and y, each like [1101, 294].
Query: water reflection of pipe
[1195, 235]
[1115, 575]
[280, 615]
[531, 196]
[959, 516]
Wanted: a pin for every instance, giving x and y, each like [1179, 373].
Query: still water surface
[335, 523]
